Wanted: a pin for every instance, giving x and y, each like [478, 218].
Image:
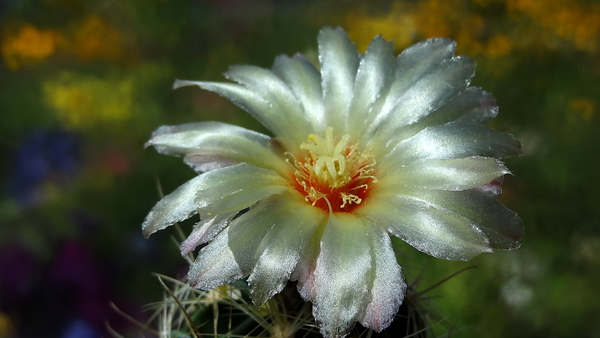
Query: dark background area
[84, 83]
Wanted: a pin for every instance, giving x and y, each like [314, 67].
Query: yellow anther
[328, 157]
[333, 171]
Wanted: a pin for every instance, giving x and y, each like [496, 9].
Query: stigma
[333, 173]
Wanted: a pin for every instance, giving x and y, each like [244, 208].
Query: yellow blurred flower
[407, 22]
[6, 327]
[499, 45]
[96, 38]
[577, 123]
[519, 24]
[92, 38]
[396, 25]
[433, 17]
[28, 46]
[581, 109]
[565, 19]
[84, 101]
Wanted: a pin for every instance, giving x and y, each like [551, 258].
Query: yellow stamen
[334, 175]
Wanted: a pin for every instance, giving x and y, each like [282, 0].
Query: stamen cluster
[334, 175]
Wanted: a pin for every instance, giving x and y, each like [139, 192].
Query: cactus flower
[366, 147]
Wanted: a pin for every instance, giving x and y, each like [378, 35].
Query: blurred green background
[84, 83]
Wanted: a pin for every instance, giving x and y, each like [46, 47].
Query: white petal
[454, 174]
[210, 145]
[305, 82]
[427, 227]
[294, 221]
[204, 231]
[412, 64]
[388, 288]
[426, 95]
[473, 105]
[275, 91]
[215, 265]
[450, 141]
[287, 128]
[342, 275]
[339, 62]
[304, 272]
[372, 80]
[237, 187]
[202, 163]
[233, 252]
[222, 190]
[175, 207]
[458, 218]
[502, 226]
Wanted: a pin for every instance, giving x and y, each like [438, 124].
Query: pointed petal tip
[182, 83]
[389, 286]
[150, 225]
[177, 84]
[519, 151]
[146, 232]
[157, 132]
[147, 229]
[449, 43]
[514, 247]
[328, 35]
[259, 298]
[193, 283]
[154, 223]
[433, 44]
[327, 29]
[517, 235]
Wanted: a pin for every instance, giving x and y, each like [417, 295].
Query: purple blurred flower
[79, 328]
[44, 155]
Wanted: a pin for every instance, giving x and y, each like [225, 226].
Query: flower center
[334, 175]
